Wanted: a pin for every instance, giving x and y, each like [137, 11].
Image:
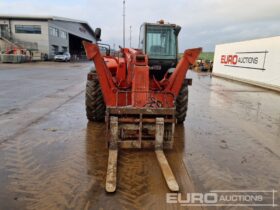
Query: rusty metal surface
[163, 163]
[135, 128]
[52, 158]
[166, 171]
[113, 133]
[145, 120]
[145, 111]
[111, 177]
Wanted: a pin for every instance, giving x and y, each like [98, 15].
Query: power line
[123, 23]
[130, 30]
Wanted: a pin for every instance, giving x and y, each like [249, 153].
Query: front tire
[95, 106]
[182, 103]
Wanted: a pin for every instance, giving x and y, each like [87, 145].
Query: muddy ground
[51, 157]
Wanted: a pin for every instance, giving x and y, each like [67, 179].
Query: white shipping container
[255, 61]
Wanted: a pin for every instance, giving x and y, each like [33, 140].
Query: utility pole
[130, 30]
[123, 23]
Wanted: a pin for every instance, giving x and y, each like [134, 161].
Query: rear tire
[182, 103]
[95, 106]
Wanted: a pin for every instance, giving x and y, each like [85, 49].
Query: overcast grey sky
[204, 23]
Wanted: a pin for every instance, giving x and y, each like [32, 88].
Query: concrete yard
[51, 157]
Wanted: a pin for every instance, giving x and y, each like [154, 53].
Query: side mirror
[177, 30]
[97, 33]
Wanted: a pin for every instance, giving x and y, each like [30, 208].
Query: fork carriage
[151, 128]
[137, 127]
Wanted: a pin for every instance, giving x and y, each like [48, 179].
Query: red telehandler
[141, 94]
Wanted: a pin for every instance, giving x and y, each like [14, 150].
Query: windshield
[161, 42]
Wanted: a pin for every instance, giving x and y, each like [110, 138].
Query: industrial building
[47, 34]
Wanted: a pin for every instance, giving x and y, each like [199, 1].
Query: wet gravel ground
[51, 157]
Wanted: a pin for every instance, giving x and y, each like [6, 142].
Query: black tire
[182, 103]
[95, 106]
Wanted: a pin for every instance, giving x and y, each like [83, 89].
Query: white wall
[255, 61]
[41, 39]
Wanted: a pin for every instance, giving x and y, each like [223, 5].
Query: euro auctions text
[224, 198]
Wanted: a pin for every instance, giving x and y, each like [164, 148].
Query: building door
[4, 31]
